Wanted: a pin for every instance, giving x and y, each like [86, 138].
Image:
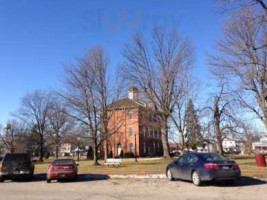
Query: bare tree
[87, 95]
[8, 137]
[189, 89]
[59, 123]
[242, 56]
[225, 122]
[33, 112]
[236, 5]
[251, 134]
[15, 136]
[158, 70]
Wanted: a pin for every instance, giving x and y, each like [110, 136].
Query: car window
[213, 157]
[192, 158]
[181, 160]
[63, 162]
[17, 158]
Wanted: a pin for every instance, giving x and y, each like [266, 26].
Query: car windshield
[17, 158]
[63, 162]
[212, 157]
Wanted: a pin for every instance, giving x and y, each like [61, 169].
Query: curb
[134, 176]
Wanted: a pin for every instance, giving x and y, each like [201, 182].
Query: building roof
[125, 103]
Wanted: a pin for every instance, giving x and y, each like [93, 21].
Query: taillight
[236, 166]
[32, 166]
[51, 168]
[211, 166]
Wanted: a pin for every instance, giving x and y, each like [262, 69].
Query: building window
[144, 132]
[131, 131]
[131, 147]
[147, 132]
[131, 114]
[151, 133]
[144, 148]
[155, 133]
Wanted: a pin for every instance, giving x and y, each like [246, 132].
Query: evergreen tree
[192, 127]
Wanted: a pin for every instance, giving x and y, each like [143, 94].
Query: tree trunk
[181, 135]
[57, 150]
[95, 153]
[41, 148]
[217, 121]
[57, 143]
[164, 137]
[105, 149]
[262, 103]
[219, 137]
[220, 146]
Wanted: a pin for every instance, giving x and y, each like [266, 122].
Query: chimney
[133, 93]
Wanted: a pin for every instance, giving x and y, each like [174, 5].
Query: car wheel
[29, 178]
[229, 182]
[48, 180]
[75, 178]
[196, 178]
[2, 179]
[169, 175]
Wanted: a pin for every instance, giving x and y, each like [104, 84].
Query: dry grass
[150, 166]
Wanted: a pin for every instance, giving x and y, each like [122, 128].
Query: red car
[62, 169]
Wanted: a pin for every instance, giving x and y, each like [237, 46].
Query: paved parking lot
[131, 189]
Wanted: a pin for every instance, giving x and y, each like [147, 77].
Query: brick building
[133, 128]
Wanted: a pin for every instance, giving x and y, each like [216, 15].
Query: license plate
[226, 167]
[62, 175]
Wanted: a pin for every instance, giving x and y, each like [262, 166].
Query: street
[132, 189]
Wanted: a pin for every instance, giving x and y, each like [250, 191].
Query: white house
[228, 145]
[261, 146]
[65, 149]
[231, 145]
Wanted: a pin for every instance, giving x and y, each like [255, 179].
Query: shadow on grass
[81, 178]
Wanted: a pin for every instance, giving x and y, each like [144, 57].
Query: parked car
[62, 169]
[16, 165]
[200, 167]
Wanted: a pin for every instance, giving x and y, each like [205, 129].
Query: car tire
[230, 182]
[48, 180]
[196, 178]
[2, 179]
[169, 175]
[29, 178]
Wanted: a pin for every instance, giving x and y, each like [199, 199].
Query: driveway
[101, 187]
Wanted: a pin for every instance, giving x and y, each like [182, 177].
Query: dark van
[16, 165]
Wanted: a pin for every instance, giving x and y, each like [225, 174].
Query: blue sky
[38, 37]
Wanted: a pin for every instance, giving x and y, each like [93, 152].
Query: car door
[189, 165]
[177, 169]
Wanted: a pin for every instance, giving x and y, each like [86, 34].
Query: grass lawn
[150, 166]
